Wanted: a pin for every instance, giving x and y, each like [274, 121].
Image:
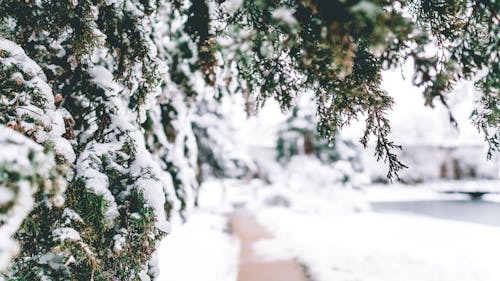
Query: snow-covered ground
[332, 242]
[200, 250]
[383, 247]
[331, 228]
[388, 246]
[436, 190]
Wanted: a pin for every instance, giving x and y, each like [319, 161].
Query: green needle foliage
[336, 51]
[109, 88]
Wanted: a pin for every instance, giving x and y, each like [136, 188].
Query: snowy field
[331, 242]
[340, 233]
[383, 247]
[200, 250]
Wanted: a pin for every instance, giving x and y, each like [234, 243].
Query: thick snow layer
[285, 14]
[231, 6]
[438, 190]
[389, 246]
[49, 120]
[202, 249]
[489, 186]
[122, 120]
[22, 156]
[67, 233]
[96, 181]
[330, 231]
[313, 224]
[199, 250]
[371, 246]
[12, 222]
[18, 57]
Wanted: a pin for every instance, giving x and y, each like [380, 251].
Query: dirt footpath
[255, 268]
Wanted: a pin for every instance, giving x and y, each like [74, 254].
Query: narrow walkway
[253, 267]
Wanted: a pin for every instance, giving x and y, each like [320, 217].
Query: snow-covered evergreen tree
[108, 89]
[29, 178]
[168, 132]
[218, 152]
[98, 71]
[299, 136]
[337, 50]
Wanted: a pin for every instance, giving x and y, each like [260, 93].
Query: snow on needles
[23, 159]
[142, 167]
[285, 14]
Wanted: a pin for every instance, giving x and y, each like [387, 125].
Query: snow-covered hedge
[87, 107]
[113, 108]
[27, 171]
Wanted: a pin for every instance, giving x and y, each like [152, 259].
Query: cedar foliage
[108, 88]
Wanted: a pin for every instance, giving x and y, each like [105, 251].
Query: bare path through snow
[254, 267]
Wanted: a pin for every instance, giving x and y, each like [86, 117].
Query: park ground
[249, 231]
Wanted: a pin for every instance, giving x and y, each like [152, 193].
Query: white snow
[332, 232]
[231, 6]
[200, 250]
[285, 14]
[66, 233]
[14, 219]
[50, 127]
[489, 186]
[120, 240]
[71, 216]
[324, 224]
[143, 167]
[19, 57]
[402, 193]
[367, 7]
[371, 246]
[26, 158]
[6, 195]
[95, 181]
